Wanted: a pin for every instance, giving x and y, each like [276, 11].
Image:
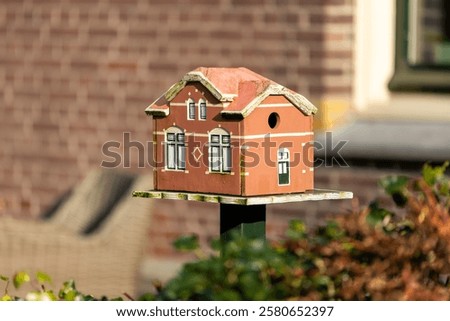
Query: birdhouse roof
[240, 88]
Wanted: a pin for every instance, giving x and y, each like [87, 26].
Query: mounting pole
[248, 221]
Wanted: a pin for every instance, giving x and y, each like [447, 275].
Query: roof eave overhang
[299, 101]
[303, 104]
[198, 76]
[233, 115]
[157, 112]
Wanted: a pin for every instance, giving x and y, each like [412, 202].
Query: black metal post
[246, 220]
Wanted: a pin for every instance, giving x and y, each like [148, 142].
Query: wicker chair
[96, 236]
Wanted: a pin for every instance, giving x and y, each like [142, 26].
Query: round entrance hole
[274, 120]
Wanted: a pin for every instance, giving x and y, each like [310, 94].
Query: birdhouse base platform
[245, 216]
[312, 195]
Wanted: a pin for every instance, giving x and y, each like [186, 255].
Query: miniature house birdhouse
[233, 137]
[234, 132]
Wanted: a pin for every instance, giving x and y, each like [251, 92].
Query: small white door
[283, 166]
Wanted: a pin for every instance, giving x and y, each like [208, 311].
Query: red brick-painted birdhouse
[231, 131]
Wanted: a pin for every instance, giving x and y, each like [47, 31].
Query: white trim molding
[247, 137]
[374, 52]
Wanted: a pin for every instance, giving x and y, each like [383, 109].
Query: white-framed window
[374, 66]
[190, 106]
[422, 47]
[175, 149]
[202, 109]
[283, 166]
[219, 151]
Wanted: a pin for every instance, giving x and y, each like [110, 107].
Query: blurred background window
[422, 46]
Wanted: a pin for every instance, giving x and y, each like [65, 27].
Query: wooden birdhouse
[233, 137]
[231, 131]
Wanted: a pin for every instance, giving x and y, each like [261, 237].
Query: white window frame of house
[283, 165]
[374, 66]
[219, 150]
[175, 149]
[190, 109]
[202, 109]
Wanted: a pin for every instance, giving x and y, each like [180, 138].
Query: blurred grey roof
[390, 140]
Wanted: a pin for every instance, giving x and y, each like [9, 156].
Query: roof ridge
[233, 85]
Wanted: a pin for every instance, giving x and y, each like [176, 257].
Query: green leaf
[21, 278]
[216, 244]
[348, 246]
[394, 183]
[4, 278]
[444, 189]
[70, 295]
[43, 278]
[334, 231]
[6, 297]
[296, 230]
[330, 232]
[48, 296]
[376, 214]
[229, 295]
[396, 187]
[187, 243]
[68, 286]
[433, 174]
[88, 298]
[322, 280]
[147, 297]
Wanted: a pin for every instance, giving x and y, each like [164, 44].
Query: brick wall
[76, 74]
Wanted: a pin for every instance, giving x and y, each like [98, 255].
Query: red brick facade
[77, 74]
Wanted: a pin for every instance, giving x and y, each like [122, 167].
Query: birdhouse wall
[271, 148]
[292, 132]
